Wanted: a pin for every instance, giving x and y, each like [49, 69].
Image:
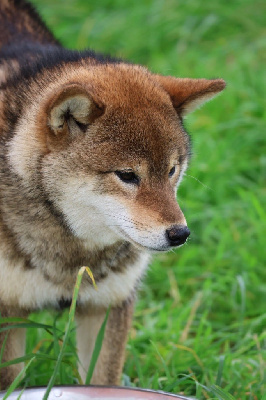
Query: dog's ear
[188, 94]
[72, 110]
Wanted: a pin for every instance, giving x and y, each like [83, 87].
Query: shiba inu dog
[92, 150]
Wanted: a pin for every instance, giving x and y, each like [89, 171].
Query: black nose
[177, 235]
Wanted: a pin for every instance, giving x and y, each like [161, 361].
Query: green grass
[200, 317]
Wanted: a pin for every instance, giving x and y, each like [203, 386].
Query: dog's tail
[20, 23]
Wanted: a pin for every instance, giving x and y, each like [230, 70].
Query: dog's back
[24, 37]
[19, 23]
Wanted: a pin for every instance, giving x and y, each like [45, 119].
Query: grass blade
[166, 369]
[220, 370]
[173, 385]
[68, 328]
[220, 393]
[27, 357]
[17, 380]
[3, 348]
[17, 360]
[21, 393]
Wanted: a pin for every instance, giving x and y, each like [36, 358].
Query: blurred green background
[200, 316]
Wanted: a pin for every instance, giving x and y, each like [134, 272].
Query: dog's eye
[172, 171]
[128, 177]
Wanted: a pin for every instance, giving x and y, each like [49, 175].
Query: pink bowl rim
[136, 389]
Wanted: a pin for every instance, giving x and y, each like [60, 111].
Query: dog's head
[116, 150]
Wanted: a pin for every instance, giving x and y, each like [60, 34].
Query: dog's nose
[177, 235]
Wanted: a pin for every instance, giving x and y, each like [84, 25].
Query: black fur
[37, 52]
[21, 15]
[34, 58]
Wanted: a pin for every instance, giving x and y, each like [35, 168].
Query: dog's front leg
[110, 362]
[12, 345]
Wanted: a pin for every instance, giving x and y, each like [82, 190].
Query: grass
[200, 317]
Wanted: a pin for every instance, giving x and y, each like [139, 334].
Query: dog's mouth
[161, 249]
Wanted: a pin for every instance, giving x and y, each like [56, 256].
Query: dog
[92, 150]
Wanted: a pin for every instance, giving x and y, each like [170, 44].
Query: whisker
[196, 179]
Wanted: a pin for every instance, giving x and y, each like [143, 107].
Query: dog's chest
[116, 270]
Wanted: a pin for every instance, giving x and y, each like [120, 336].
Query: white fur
[25, 149]
[89, 214]
[181, 173]
[29, 288]
[198, 102]
[78, 106]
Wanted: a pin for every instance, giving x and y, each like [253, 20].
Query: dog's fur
[91, 152]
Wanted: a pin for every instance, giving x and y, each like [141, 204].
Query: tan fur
[71, 134]
[110, 363]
